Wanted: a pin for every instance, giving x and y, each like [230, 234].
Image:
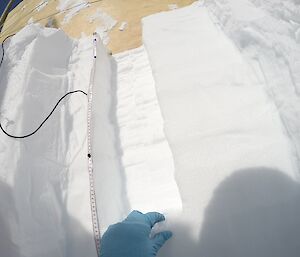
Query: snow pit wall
[133, 164]
[109, 181]
[39, 186]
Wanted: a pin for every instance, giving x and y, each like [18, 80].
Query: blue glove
[131, 238]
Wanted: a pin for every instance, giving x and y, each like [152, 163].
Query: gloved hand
[131, 238]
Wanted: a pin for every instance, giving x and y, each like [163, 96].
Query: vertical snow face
[37, 216]
[109, 178]
[234, 163]
[146, 157]
[133, 164]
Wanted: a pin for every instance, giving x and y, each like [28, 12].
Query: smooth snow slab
[268, 36]
[234, 163]
[147, 159]
[133, 163]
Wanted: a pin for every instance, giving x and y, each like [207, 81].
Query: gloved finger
[135, 216]
[159, 239]
[154, 217]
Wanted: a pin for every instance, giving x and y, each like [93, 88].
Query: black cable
[3, 52]
[32, 133]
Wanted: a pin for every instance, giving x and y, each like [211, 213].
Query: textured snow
[30, 21]
[132, 159]
[46, 178]
[268, 38]
[147, 159]
[106, 23]
[200, 124]
[43, 178]
[65, 4]
[74, 11]
[235, 163]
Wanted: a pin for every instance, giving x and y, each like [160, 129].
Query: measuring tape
[93, 202]
[94, 212]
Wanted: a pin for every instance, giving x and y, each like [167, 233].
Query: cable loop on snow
[49, 115]
[93, 202]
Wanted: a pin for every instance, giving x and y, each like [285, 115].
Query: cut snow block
[121, 185]
[146, 156]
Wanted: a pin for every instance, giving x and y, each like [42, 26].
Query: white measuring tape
[94, 212]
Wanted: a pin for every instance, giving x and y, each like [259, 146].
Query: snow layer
[43, 178]
[235, 164]
[107, 23]
[229, 115]
[74, 11]
[147, 158]
[132, 160]
[65, 4]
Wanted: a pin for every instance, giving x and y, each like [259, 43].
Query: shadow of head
[254, 212]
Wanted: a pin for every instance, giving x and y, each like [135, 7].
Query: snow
[48, 172]
[172, 6]
[43, 178]
[65, 4]
[30, 21]
[147, 160]
[42, 5]
[107, 23]
[201, 123]
[268, 40]
[236, 165]
[101, 16]
[132, 160]
[74, 11]
[123, 26]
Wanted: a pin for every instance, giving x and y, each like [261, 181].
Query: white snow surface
[74, 11]
[43, 178]
[65, 4]
[106, 23]
[236, 164]
[46, 179]
[200, 124]
[133, 129]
